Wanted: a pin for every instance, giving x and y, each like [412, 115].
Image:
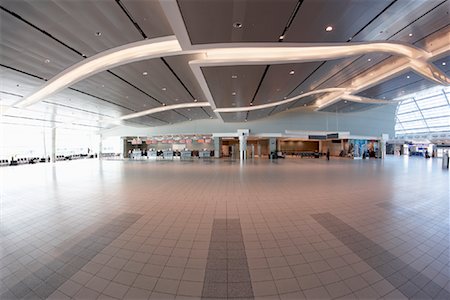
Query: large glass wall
[424, 112]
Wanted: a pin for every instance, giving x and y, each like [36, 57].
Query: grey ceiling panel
[348, 107]
[308, 100]
[195, 113]
[259, 114]
[180, 65]
[222, 85]
[325, 71]
[107, 86]
[234, 117]
[278, 83]
[158, 78]
[171, 116]
[144, 121]
[428, 23]
[149, 16]
[398, 86]
[443, 63]
[279, 108]
[24, 48]
[76, 22]
[212, 21]
[396, 17]
[343, 77]
[346, 17]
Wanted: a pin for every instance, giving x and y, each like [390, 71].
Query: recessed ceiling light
[164, 89]
[237, 25]
[233, 93]
[47, 61]
[292, 72]
[98, 33]
[234, 76]
[369, 59]
[410, 34]
[408, 76]
[329, 28]
[144, 73]
[444, 63]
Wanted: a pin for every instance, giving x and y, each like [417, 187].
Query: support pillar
[217, 147]
[272, 145]
[53, 151]
[242, 147]
[100, 147]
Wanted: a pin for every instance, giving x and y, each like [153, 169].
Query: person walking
[328, 154]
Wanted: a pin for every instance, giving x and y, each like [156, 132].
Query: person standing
[328, 154]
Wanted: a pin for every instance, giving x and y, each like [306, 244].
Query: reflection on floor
[286, 229]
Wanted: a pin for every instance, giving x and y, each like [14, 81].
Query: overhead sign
[317, 137]
[333, 136]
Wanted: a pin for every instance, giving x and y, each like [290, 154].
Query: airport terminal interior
[224, 149]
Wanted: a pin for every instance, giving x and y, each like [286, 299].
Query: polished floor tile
[286, 229]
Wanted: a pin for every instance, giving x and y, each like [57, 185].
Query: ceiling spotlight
[233, 76]
[237, 25]
[345, 101]
[408, 76]
[284, 98]
[410, 34]
[144, 73]
[251, 103]
[444, 63]
[47, 61]
[98, 33]
[281, 37]
[233, 93]
[329, 28]
[292, 72]
[164, 104]
[195, 100]
[369, 59]
[190, 119]
[164, 89]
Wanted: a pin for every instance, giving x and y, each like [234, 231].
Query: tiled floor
[288, 229]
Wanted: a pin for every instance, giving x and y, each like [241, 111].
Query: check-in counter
[185, 154]
[204, 154]
[168, 154]
[152, 154]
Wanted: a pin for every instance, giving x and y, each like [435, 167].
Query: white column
[217, 147]
[53, 152]
[242, 147]
[100, 146]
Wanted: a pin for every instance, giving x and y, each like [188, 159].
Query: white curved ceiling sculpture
[200, 55]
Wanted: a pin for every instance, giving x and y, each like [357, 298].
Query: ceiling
[41, 39]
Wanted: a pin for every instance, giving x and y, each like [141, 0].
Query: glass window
[424, 112]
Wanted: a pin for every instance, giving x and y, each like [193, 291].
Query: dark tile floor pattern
[406, 279]
[227, 273]
[47, 279]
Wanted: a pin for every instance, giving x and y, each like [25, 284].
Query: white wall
[372, 122]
